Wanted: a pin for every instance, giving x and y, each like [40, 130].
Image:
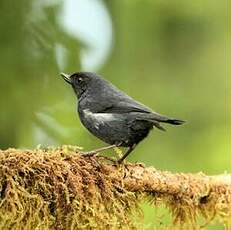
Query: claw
[118, 151]
[109, 159]
[90, 154]
[120, 161]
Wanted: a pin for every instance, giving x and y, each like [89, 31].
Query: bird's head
[80, 81]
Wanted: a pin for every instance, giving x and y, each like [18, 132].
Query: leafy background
[173, 56]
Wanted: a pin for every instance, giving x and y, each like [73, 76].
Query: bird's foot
[93, 153]
[118, 151]
[120, 161]
[109, 159]
[90, 153]
[96, 151]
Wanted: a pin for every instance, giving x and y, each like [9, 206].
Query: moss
[58, 188]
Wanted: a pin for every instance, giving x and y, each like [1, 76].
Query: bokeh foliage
[173, 56]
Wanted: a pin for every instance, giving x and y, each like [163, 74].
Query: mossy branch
[57, 188]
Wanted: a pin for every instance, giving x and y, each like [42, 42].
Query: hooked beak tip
[66, 77]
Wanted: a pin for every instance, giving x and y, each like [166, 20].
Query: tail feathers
[174, 121]
[165, 119]
[156, 119]
[169, 121]
[158, 126]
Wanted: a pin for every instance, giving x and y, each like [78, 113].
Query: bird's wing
[129, 105]
[116, 101]
[142, 112]
[125, 107]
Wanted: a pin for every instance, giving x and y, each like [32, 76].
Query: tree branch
[58, 188]
[187, 195]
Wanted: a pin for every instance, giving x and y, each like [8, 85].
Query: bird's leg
[94, 152]
[131, 148]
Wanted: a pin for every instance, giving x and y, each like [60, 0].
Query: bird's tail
[158, 118]
[173, 121]
[167, 120]
[161, 118]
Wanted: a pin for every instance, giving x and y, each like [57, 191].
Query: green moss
[60, 189]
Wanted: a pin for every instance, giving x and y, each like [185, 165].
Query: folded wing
[142, 113]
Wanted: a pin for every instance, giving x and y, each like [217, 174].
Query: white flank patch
[98, 118]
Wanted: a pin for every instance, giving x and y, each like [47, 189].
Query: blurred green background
[173, 56]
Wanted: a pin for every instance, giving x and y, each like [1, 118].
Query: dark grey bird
[111, 115]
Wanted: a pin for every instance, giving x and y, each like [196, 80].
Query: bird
[111, 115]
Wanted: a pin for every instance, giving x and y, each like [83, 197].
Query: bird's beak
[66, 77]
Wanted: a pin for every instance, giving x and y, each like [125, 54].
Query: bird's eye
[79, 80]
